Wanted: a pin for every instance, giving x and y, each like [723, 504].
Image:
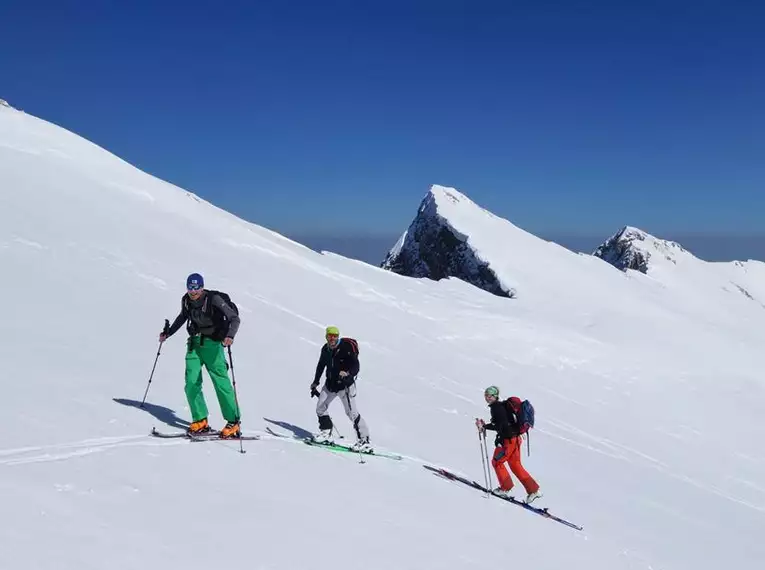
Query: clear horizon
[372, 248]
[334, 119]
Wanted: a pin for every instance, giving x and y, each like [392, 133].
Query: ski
[212, 435]
[540, 511]
[335, 446]
[347, 449]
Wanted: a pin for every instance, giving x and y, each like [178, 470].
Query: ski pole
[159, 349]
[481, 442]
[236, 399]
[486, 453]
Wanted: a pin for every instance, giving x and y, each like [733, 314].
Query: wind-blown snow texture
[648, 390]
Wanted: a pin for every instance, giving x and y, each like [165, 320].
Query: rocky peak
[632, 248]
[433, 248]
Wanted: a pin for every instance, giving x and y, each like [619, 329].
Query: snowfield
[649, 392]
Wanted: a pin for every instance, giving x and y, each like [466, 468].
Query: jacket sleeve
[320, 366]
[500, 421]
[225, 308]
[178, 322]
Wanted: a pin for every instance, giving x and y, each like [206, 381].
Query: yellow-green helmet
[332, 330]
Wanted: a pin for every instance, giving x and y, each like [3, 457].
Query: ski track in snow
[76, 449]
[71, 450]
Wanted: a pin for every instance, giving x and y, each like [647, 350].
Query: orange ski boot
[231, 431]
[199, 427]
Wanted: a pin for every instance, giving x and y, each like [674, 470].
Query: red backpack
[354, 344]
[524, 415]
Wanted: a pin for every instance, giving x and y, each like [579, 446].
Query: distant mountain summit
[4, 103]
[632, 248]
[435, 245]
[453, 237]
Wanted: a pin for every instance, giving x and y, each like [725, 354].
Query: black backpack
[220, 320]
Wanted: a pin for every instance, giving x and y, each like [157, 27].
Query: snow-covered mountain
[649, 394]
[453, 237]
[632, 248]
[667, 261]
[435, 248]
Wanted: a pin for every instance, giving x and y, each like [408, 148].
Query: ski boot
[231, 431]
[500, 492]
[324, 436]
[533, 497]
[200, 427]
[362, 445]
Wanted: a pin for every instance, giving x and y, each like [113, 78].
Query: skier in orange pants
[507, 450]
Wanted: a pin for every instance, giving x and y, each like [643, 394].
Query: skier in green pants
[213, 321]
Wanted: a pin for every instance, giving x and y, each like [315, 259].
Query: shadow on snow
[163, 414]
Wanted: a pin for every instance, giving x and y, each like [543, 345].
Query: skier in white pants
[339, 356]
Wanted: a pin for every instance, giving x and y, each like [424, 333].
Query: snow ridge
[5, 104]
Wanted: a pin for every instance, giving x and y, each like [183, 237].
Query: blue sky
[336, 116]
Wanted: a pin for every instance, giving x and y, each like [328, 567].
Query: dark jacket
[202, 317]
[342, 358]
[503, 421]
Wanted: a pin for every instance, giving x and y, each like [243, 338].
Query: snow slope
[575, 290]
[649, 416]
[674, 266]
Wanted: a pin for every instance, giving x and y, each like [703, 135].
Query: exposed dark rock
[620, 250]
[433, 249]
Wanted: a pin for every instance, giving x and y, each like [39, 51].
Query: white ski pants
[348, 397]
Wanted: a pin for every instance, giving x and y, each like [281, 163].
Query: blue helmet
[194, 282]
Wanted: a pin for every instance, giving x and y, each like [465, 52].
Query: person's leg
[513, 449]
[193, 388]
[214, 359]
[349, 403]
[499, 462]
[325, 421]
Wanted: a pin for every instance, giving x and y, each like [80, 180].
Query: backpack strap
[207, 306]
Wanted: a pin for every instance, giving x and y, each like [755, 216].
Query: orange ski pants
[509, 454]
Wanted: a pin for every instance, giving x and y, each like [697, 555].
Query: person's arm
[226, 309]
[178, 322]
[320, 366]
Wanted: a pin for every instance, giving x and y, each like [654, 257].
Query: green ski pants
[210, 354]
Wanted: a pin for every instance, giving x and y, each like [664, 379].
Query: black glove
[165, 334]
[314, 391]
[348, 380]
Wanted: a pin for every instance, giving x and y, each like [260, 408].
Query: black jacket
[202, 316]
[342, 358]
[503, 421]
